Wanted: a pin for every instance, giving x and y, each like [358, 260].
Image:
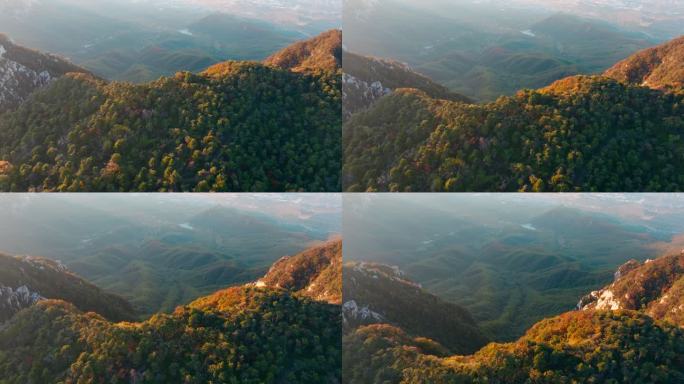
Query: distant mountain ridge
[485, 51]
[23, 71]
[380, 294]
[367, 79]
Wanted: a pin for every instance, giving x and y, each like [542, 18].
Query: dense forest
[609, 343]
[245, 334]
[577, 347]
[583, 133]
[238, 126]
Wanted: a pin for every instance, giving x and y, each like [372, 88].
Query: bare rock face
[368, 79]
[23, 71]
[13, 300]
[626, 268]
[358, 94]
[655, 287]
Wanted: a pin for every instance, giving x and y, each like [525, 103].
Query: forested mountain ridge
[658, 67]
[22, 71]
[244, 334]
[380, 294]
[323, 52]
[589, 345]
[26, 280]
[366, 79]
[238, 126]
[655, 287]
[484, 51]
[583, 133]
[315, 273]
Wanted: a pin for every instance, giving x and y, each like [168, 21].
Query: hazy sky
[299, 205]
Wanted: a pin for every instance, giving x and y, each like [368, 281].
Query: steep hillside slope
[589, 346]
[323, 52]
[315, 273]
[22, 71]
[655, 287]
[238, 126]
[367, 79]
[579, 134]
[630, 331]
[253, 336]
[377, 294]
[658, 67]
[26, 280]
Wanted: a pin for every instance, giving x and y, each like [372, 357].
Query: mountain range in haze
[625, 325]
[484, 50]
[563, 137]
[298, 12]
[509, 260]
[161, 251]
[140, 41]
[629, 331]
[253, 333]
[657, 17]
[125, 141]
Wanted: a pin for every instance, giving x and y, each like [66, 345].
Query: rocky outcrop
[655, 287]
[315, 273]
[13, 300]
[22, 71]
[367, 79]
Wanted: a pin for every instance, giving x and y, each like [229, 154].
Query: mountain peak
[323, 52]
[229, 67]
[660, 67]
[315, 273]
[655, 286]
